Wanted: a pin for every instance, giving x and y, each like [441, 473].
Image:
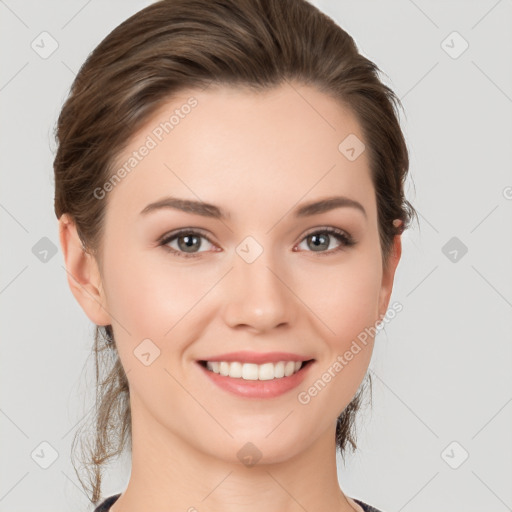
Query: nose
[258, 296]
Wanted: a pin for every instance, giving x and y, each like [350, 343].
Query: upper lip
[257, 357]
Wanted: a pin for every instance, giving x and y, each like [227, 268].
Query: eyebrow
[210, 210]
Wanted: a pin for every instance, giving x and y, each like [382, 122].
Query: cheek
[151, 296]
[143, 297]
[345, 299]
[344, 296]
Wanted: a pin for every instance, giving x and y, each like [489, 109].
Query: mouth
[256, 381]
[252, 372]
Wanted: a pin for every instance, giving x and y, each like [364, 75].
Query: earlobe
[82, 273]
[388, 275]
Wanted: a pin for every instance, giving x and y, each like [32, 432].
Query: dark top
[105, 505]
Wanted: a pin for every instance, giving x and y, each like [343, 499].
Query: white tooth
[235, 370]
[279, 370]
[224, 368]
[266, 371]
[250, 371]
[213, 366]
[289, 368]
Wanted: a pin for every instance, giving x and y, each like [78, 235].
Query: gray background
[441, 369]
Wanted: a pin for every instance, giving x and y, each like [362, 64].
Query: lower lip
[258, 388]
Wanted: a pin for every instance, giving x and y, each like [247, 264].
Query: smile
[252, 371]
[250, 380]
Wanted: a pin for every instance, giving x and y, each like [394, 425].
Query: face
[267, 276]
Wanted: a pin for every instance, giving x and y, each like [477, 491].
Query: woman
[229, 184]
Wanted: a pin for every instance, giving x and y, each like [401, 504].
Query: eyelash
[343, 237]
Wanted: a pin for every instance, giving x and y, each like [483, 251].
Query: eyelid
[179, 231]
[328, 229]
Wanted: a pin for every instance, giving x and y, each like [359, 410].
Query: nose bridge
[257, 295]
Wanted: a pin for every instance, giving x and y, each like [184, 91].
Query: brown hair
[172, 45]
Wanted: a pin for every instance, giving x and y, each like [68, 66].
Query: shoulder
[105, 505]
[366, 507]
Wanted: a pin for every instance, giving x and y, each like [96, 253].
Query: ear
[388, 275]
[82, 272]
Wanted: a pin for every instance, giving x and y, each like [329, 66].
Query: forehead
[231, 143]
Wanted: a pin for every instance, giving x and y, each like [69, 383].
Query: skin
[258, 156]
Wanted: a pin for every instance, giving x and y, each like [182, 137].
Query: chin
[257, 447]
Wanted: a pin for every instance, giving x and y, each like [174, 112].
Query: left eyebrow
[327, 204]
[210, 210]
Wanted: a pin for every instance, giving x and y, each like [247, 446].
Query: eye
[320, 239]
[187, 242]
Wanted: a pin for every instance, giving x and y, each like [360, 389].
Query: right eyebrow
[188, 206]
